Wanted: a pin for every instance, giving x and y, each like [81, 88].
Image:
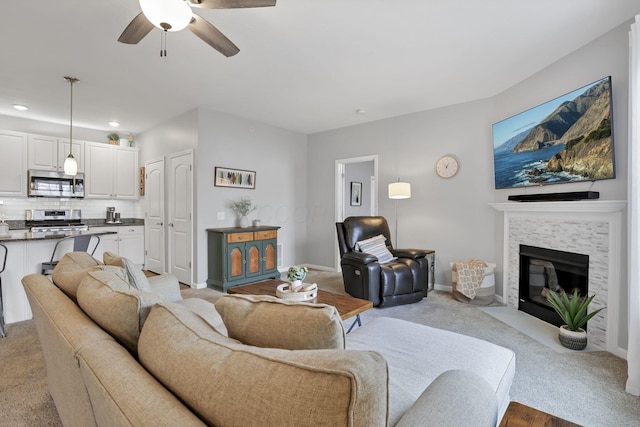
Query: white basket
[284, 291]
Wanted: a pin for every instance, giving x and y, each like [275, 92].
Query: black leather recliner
[402, 281]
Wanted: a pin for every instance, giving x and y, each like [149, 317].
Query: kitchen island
[27, 250]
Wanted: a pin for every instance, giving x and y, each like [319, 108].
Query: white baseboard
[315, 267]
[198, 285]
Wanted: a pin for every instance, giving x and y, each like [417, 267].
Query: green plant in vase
[296, 275]
[573, 311]
[114, 138]
[242, 208]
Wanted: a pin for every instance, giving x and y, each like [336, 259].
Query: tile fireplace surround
[593, 228]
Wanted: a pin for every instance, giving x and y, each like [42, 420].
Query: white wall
[176, 135]
[452, 216]
[277, 156]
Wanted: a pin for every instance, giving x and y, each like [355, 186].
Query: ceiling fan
[175, 15]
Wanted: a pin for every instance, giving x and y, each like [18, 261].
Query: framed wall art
[356, 194]
[236, 178]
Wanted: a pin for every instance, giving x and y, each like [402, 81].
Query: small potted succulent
[242, 208]
[296, 275]
[573, 311]
[114, 138]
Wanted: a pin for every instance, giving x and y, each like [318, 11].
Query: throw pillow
[135, 275]
[269, 322]
[377, 247]
[109, 258]
[116, 306]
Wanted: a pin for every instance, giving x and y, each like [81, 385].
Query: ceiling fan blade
[136, 30]
[230, 4]
[211, 35]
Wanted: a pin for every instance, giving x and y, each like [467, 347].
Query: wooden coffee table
[519, 415]
[346, 305]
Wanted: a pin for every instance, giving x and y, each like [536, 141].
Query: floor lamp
[399, 190]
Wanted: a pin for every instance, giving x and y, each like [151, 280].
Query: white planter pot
[244, 222]
[574, 340]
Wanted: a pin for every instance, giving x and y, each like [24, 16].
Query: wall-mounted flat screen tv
[567, 139]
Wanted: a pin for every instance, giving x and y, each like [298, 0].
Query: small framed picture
[237, 178]
[356, 194]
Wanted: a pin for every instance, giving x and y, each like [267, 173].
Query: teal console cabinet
[237, 256]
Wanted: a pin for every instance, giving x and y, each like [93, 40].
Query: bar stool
[3, 258]
[81, 243]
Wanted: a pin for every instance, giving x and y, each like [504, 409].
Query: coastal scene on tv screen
[567, 139]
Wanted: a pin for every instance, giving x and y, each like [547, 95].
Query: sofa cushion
[71, 269]
[377, 247]
[116, 306]
[135, 275]
[229, 383]
[266, 321]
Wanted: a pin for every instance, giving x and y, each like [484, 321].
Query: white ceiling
[304, 65]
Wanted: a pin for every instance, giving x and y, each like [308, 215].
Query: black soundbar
[556, 197]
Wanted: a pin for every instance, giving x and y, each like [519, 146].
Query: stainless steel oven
[55, 184]
[54, 220]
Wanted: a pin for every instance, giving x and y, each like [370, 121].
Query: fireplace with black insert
[547, 270]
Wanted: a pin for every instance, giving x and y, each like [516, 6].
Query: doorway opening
[356, 190]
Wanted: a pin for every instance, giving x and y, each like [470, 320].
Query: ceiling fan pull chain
[163, 43]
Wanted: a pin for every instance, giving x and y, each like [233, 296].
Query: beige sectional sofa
[121, 350]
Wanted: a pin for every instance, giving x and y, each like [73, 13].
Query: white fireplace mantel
[591, 227]
[594, 206]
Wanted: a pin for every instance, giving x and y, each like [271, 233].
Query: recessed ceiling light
[361, 111]
[114, 124]
[20, 107]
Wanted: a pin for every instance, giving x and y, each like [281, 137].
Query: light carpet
[584, 387]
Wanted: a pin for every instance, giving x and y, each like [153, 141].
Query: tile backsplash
[14, 208]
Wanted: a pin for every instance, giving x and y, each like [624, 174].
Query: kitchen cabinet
[48, 153]
[13, 164]
[237, 256]
[128, 243]
[111, 171]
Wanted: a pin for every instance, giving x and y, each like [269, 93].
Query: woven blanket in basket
[470, 276]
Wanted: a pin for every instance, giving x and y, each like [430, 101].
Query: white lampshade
[70, 166]
[176, 13]
[399, 190]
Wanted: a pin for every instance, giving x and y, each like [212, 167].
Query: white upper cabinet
[111, 171]
[43, 153]
[48, 153]
[13, 164]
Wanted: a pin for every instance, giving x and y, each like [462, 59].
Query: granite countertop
[21, 236]
[19, 232]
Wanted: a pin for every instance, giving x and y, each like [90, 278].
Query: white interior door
[179, 203]
[154, 224]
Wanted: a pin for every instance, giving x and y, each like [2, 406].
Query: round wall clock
[447, 166]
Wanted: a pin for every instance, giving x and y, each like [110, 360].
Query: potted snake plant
[573, 311]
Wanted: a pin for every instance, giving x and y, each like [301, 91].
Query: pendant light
[70, 164]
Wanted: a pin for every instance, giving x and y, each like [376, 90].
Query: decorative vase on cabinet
[244, 221]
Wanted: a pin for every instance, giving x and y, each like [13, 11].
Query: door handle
[159, 223]
[170, 224]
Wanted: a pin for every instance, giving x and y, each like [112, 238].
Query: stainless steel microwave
[55, 184]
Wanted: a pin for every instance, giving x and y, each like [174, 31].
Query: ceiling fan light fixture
[170, 15]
